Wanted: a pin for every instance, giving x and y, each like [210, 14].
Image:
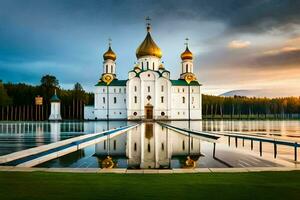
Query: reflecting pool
[17, 136]
[149, 145]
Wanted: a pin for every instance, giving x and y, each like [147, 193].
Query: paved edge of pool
[147, 171]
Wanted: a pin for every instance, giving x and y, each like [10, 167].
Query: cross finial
[55, 91]
[186, 42]
[148, 24]
[109, 42]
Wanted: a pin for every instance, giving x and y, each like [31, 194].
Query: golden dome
[109, 54]
[148, 48]
[187, 54]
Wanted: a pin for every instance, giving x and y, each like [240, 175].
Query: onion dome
[148, 47]
[109, 54]
[187, 54]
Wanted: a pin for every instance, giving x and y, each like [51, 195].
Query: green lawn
[43, 185]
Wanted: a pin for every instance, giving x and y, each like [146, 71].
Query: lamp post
[107, 78]
[189, 112]
[107, 106]
[107, 119]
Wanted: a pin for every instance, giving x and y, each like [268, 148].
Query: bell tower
[109, 64]
[187, 64]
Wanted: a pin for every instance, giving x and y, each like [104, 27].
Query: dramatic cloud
[68, 37]
[282, 57]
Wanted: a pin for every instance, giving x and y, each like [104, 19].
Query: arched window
[162, 146]
[183, 145]
[161, 99]
[162, 88]
[183, 99]
[103, 99]
[186, 67]
[111, 69]
[135, 146]
[148, 88]
[115, 99]
[153, 65]
[147, 65]
[135, 99]
[106, 68]
[149, 149]
[104, 145]
[142, 65]
[135, 88]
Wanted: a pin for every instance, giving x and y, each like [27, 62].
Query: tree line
[212, 106]
[24, 94]
[247, 107]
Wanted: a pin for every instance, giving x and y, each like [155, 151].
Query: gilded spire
[109, 54]
[148, 47]
[187, 54]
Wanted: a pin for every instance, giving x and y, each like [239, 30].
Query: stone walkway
[147, 171]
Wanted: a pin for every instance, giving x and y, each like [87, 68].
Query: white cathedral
[148, 93]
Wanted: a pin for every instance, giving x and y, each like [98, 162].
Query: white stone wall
[112, 99]
[180, 102]
[149, 84]
[89, 112]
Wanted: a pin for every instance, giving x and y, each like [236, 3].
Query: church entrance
[149, 111]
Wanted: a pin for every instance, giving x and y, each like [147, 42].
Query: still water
[17, 136]
[147, 146]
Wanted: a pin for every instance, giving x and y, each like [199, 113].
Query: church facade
[148, 93]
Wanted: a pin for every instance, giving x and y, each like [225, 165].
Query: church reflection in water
[149, 145]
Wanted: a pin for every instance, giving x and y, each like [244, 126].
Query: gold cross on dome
[148, 24]
[109, 42]
[148, 19]
[186, 42]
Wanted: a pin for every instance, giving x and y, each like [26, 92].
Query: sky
[237, 45]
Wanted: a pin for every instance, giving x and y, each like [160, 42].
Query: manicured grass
[55, 186]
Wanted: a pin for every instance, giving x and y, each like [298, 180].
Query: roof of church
[148, 48]
[115, 82]
[55, 98]
[159, 72]
[181, 82]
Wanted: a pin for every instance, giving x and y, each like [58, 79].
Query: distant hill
[271, 93]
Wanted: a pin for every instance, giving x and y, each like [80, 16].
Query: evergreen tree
[48, 84]
[4, 98]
